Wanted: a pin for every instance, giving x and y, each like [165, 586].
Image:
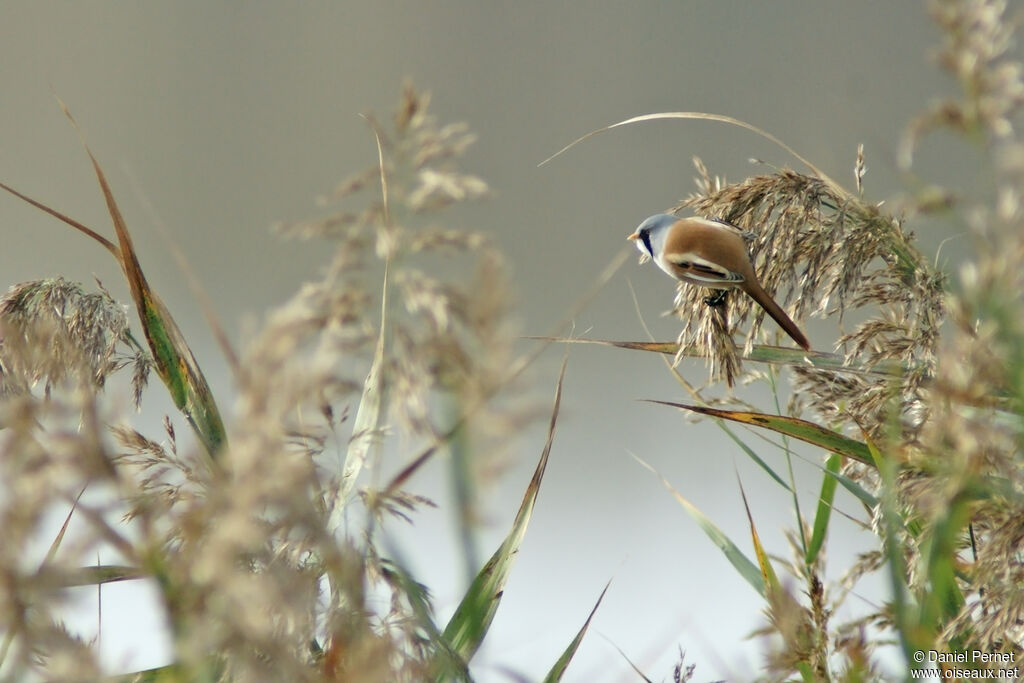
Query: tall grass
[922, 406]
[265, 535]
[917, 408]
[266, 538]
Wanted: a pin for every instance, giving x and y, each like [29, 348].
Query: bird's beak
[634, 237]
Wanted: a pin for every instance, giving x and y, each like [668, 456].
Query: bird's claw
[717, 299]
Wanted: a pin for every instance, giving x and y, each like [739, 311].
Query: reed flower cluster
[931, 378]
[270, 554]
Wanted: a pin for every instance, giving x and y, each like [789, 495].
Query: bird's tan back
[711, 242]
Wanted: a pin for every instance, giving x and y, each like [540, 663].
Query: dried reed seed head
[436, 190]
[814, 246]
[446, 239]
[446, 340]
[350, 185]
[978, 40]
[951, 418]
[251, 541]
[51, 449]
[52, 330]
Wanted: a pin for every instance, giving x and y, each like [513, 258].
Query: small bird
[708, 253]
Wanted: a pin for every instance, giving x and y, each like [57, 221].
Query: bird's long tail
[757, 293]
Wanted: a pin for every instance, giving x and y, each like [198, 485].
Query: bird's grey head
[650, 235]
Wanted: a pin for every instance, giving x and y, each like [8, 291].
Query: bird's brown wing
[694, 269]
[708, 253]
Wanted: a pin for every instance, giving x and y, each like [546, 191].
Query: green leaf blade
[472, 619]
[788, 426]
[824, 512]
[558, 670]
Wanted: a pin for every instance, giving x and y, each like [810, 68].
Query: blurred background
[217, 120]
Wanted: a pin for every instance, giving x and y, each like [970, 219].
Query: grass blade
[100, 574]
[905, 614]
[747, 569]
[448, 664]
[468, 626]
[632, 665]
[824, 512]
[789, 426]
[750, 453]
[946, 598]
[64, 218]
[760, 353]
[370, 414]
[858, 491]
[52, 551]
[558, 670]
[703, 116]
[172, 357]
[768, 575]
[368, 422]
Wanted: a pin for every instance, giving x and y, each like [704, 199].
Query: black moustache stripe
[646, 237]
